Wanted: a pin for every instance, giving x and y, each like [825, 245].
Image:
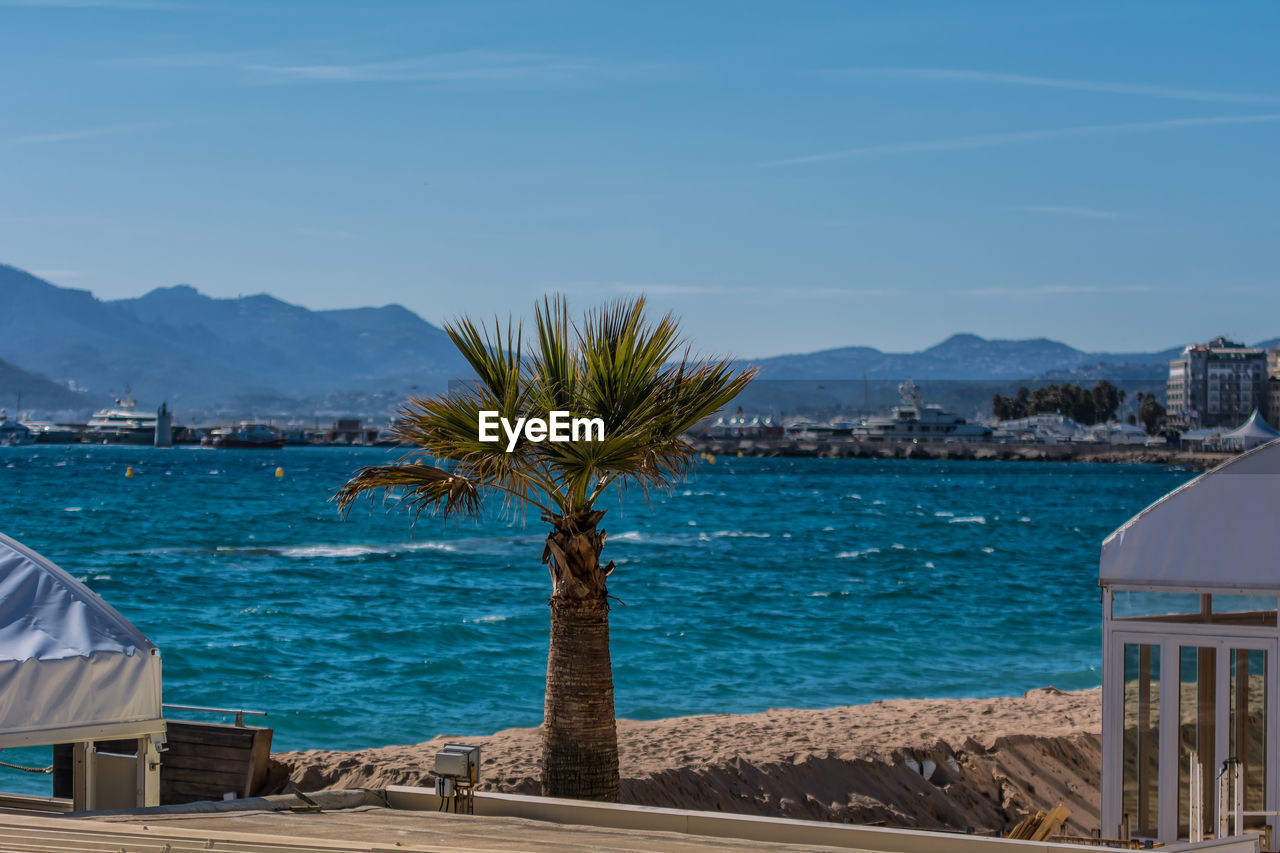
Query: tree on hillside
[1003, 408]
[1087, 407]
[617, 366]
[1011, 408]
[1107, 400]
[1151, 413]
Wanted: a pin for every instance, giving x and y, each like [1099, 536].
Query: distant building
[1272, 411]
[1217, 384]
[1047, 428]
[351, 431]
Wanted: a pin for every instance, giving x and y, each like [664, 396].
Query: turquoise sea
[757, 583]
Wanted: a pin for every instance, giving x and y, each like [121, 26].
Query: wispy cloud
[666, 289]
[751, 290]
[192, 59]
[993, 140]
[459, 67]
[811, 292]
[1060, 210]
[83, 133]
[953, 75]
[93, 4]
[1058, 290]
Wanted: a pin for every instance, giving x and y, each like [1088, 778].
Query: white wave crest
[310, 551]
[853, 555]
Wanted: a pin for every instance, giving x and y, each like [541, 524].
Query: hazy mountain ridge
[180, 345]
[215, 354]
[962, 356]
[21, 390]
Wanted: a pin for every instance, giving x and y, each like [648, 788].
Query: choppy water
[758, 583]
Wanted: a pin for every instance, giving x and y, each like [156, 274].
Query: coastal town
[1220, 397]
[659, 427]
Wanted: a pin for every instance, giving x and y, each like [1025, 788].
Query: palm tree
[638, 378]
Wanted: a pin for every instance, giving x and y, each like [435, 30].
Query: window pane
[1249, 727]
[1139, 783]
[1197, 677]
[1134, 604]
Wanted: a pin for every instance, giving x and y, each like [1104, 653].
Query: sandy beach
[931, 763]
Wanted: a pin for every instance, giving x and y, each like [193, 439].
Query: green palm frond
[617, 366]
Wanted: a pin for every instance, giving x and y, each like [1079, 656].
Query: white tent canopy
[1251, 433]
[1217, 533]
[71, 667]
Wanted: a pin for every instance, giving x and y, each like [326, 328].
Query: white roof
[70, 665]
[1255, 427]
[1218, 531]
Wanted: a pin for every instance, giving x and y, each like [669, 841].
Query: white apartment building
[1217, 384]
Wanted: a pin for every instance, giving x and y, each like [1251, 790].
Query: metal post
[1195, 799]
[83, 777]
[1239, 797]
[1224, 779]
[147, 775]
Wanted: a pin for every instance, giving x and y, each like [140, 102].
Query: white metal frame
[89, 792]
[71, 734]
[1169, 637]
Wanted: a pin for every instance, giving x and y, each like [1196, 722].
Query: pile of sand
[931, 763]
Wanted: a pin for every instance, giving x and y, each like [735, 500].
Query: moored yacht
[123, 424]
[245, 435]
[45, 432]
[919, 420]
[13, 433]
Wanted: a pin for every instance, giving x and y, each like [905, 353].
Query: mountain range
[21, 390]
[180, 345]
[260, 355]
[966, 357]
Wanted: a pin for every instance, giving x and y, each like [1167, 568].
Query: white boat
[246, 435]
[122, 425]
[915, 419]
[13, 433]
[45, 432]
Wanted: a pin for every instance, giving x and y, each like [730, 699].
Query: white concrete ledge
[754, 828]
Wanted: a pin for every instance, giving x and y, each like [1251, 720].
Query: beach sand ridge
[933, 763]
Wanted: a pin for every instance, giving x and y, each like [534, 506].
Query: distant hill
[177, 344]
[21, 391]
[262, 356]
[967, 357]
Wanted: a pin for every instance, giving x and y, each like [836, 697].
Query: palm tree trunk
[579, 735]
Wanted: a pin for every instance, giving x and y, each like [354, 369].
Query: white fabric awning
[70, 665]
[1220, 531]
[1252, 433]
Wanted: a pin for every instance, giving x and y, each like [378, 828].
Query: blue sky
[785, 176]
